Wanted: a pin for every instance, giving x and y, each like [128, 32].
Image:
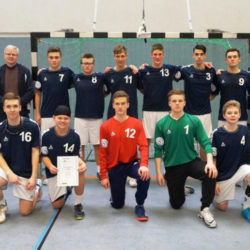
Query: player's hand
[38, 119]
[133, 68]
[53, 169]
[107, 69]
[144, 173]
[209, 65]
[160, 180]
[211, 171]
[217, 189]
[105, 183]
[30, 184]
[143, 66]
[82, 166]
[13, 178]
[219, 71]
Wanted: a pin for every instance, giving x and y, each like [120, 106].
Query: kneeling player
[19, 156]
[231, 144]
[62, 141]
[120, 136]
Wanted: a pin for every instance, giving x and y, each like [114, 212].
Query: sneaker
[3, 211]
[98, 176]
[132, 182]
[208, 217]
[246, 213]
[38, 190]
[78, 211]
[188, 190]
[140, 213]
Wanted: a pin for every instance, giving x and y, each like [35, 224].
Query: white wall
[124, 15]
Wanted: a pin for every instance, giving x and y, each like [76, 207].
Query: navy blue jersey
[16, 145]
[233, 87]
[123, 80]
[54, 145]
[89, 95]
[54, 85]
[230, 150]
[156, 84]
[198, 85]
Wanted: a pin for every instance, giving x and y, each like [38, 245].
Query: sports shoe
[132, 182]
[38, 190]
[140, 213]
[98, 176]
[78, 211]
[188, 190]
[246, 213]
[208, 217]
[3, 211]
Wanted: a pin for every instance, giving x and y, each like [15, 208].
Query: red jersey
[119, 142]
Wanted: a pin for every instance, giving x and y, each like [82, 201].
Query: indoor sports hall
[96, 26]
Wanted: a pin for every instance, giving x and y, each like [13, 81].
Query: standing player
[199, 82]
[62, 141]
[52, 88]
[233, 85]
[120, 136]
[121, 77]
[231, 144]
[89, 110]
[19, 156]
[174, 142]
[16, 78]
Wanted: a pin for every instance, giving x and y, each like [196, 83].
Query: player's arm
[158, 146]
[38, 95]
[48, 163]
[143, 170]
[12, 177]
[103, 154]
[31, 183]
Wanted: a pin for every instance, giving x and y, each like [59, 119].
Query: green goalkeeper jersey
[174, 139]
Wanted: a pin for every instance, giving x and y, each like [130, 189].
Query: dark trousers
[117, 178]
[176, 177]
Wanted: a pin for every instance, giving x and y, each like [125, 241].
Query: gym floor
[107, 229]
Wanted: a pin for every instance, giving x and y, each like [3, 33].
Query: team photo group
[46, 150]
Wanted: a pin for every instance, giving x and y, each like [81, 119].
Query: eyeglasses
[87, 64]
[11, 54]
[54, 57]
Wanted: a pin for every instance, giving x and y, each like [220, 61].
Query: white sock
[78, 199]
[246, 203]
[98, 169]
[2, 202]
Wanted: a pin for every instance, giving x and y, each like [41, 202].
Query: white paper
[67, 174]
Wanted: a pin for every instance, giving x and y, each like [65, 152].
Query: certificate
[67, 174]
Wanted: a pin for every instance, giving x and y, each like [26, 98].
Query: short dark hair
[200, 47]
[54, 49]
[176, 92]
[62, 110]
[118, 49]
[157, 46]
[120, 93]
[232, 50]
[11, 96]
[88, 56]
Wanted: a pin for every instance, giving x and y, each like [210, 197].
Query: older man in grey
[16, 78]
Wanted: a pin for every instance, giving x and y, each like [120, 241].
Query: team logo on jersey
[104, 143]
[78, 79]
[148, 73]
[169, 132]
[223, 144]
[112, 80]
[159, 141]
[44, 150]
[5, 139]
[45, 79]
[94, 79]
[191, 76]
[50, 147]
[38, 84]
[223, 81]
[214, 151]
[112, 133]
